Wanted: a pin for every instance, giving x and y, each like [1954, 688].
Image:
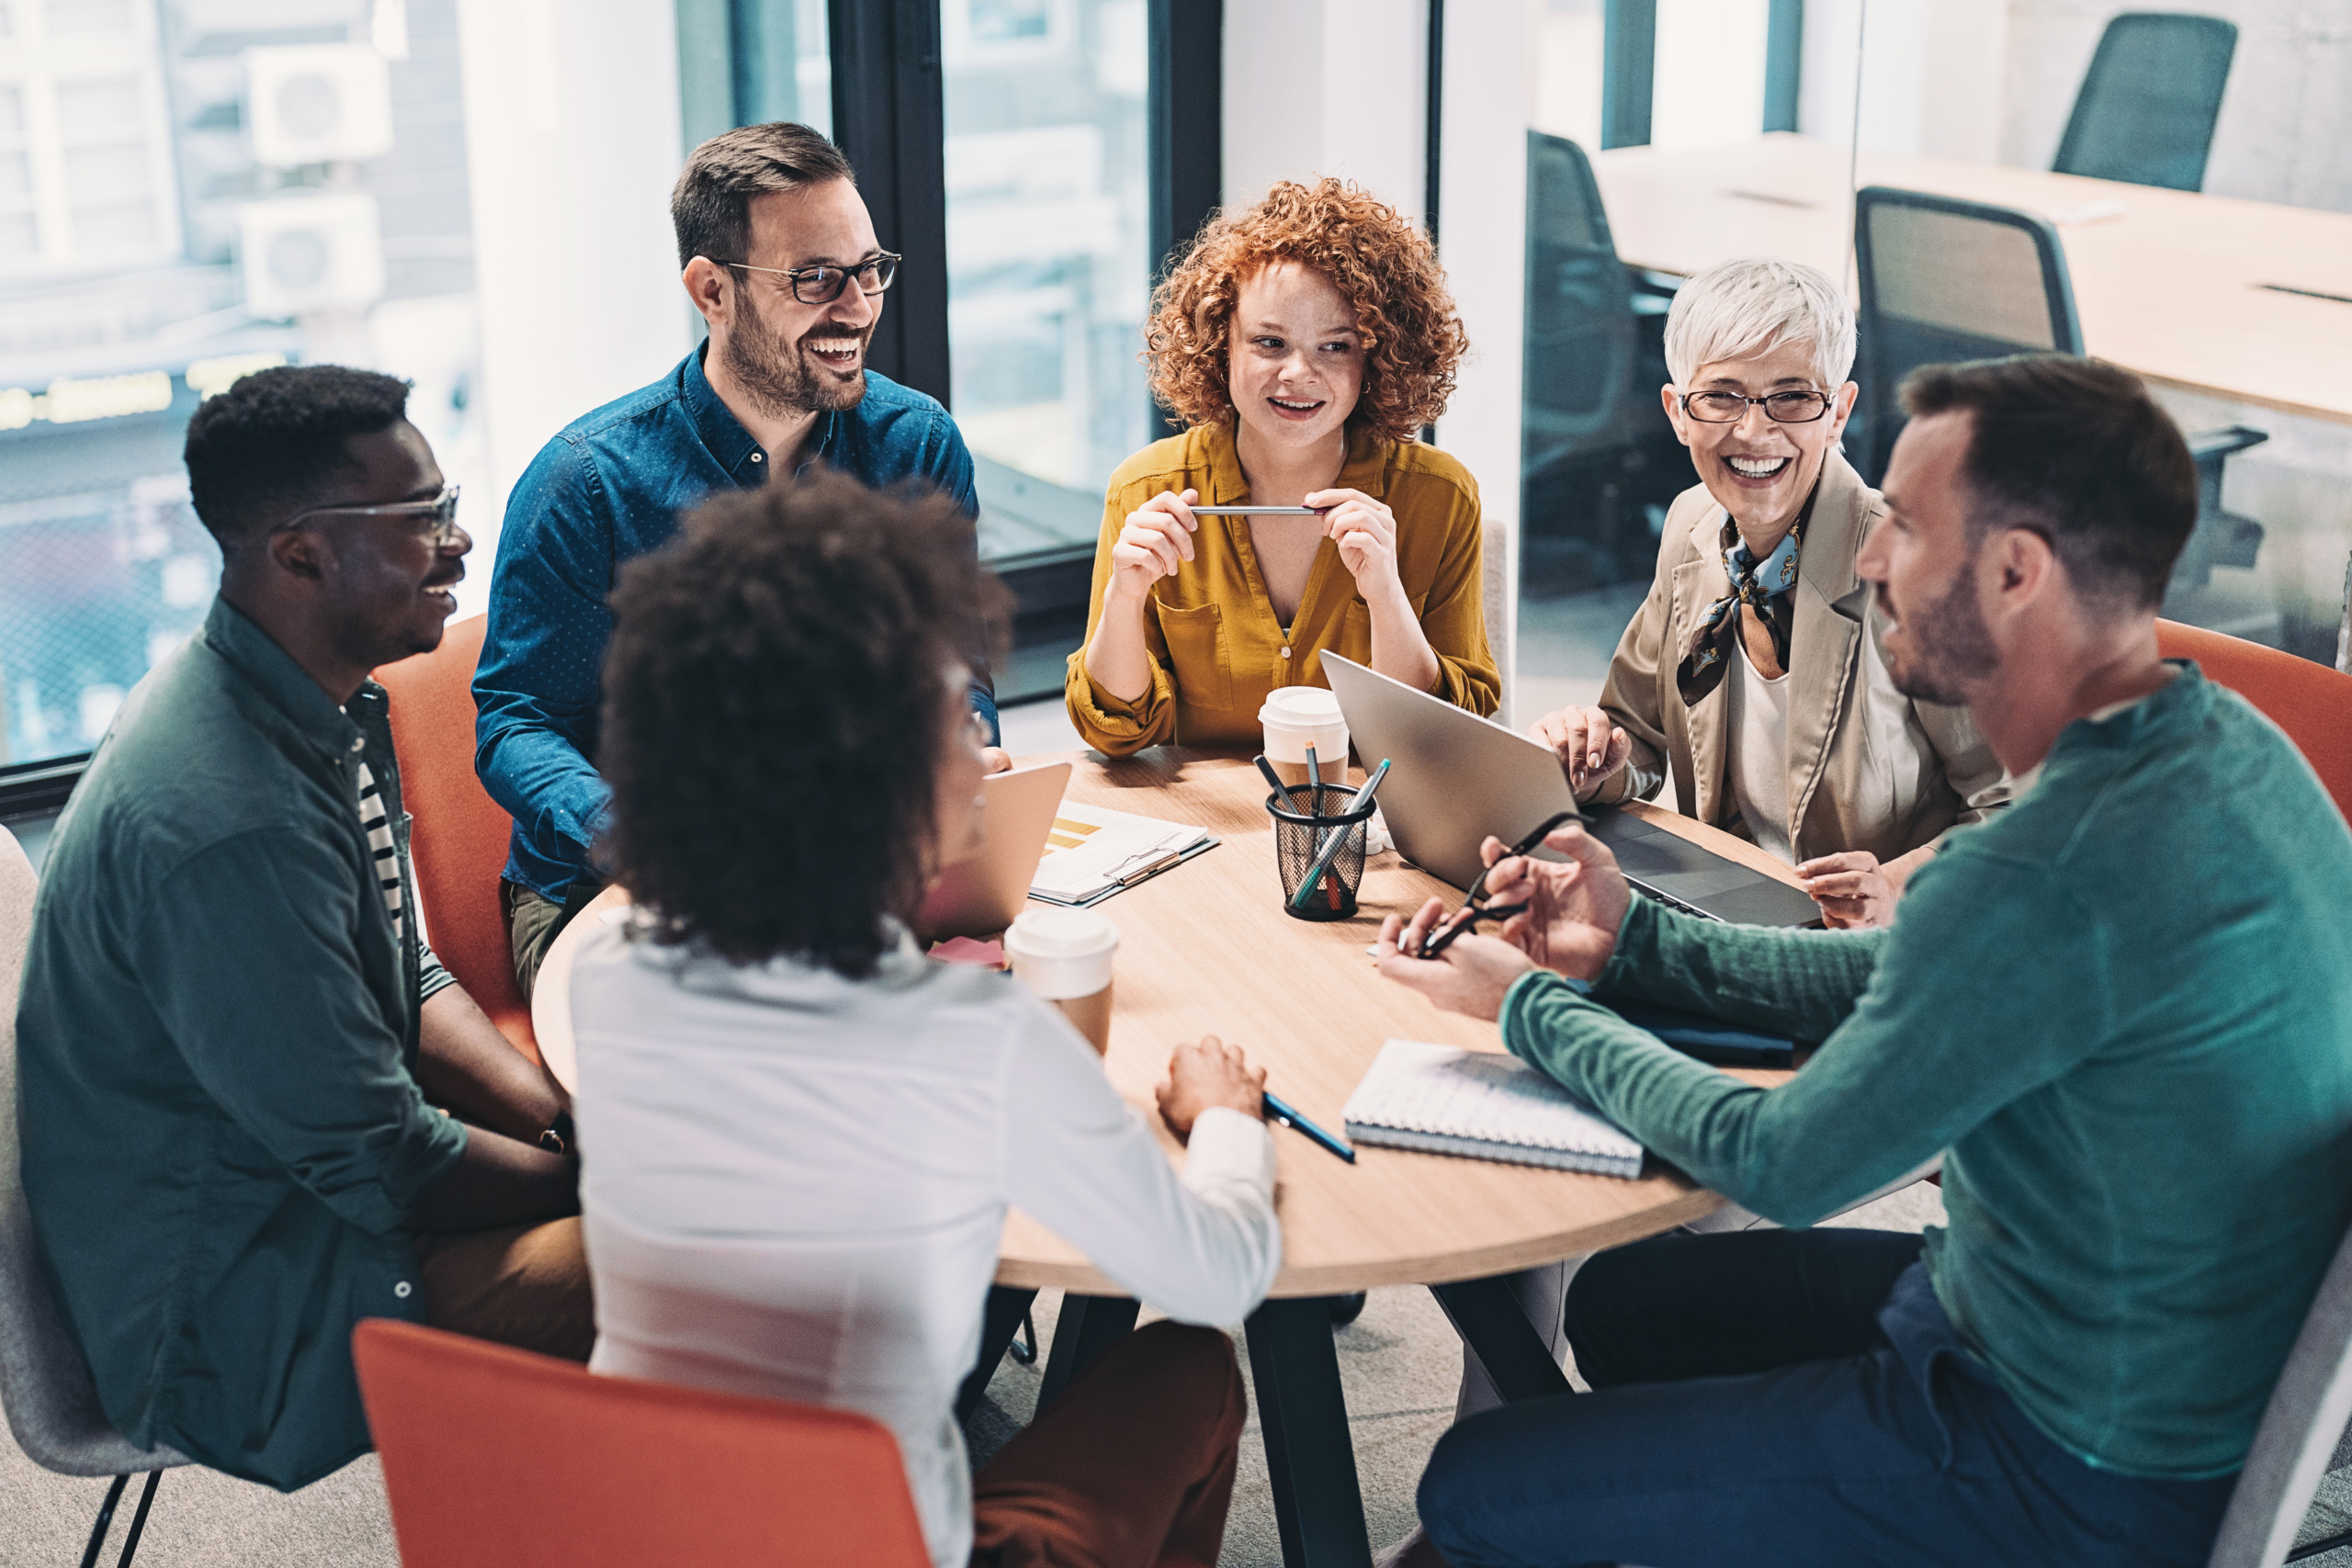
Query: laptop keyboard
[1669, 900]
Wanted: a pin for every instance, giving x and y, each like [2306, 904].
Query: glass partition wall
[2206, 231]
[1600, 464]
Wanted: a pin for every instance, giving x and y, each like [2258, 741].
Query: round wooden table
[1206, 949]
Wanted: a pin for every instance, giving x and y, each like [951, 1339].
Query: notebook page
[1416, 1087]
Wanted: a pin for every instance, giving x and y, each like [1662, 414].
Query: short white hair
[1739, 309]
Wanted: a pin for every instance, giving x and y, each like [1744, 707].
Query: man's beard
[780, 381]
[1951, 644]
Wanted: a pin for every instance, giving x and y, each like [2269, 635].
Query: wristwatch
[558, 1137]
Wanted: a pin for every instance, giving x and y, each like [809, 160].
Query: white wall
[1333, 87]
[1930, 72]
[2285, 122]
[572, 143]
[1489, 100]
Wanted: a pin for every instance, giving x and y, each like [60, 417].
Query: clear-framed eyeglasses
[1782, 408]
[825, 282]
[435, 519]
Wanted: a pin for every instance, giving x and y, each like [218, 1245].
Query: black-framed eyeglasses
[1782, 408]
[824, 283]
[435, 519]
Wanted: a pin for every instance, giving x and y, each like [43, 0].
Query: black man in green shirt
[254, 1107]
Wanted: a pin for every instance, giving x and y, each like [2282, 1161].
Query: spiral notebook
[1483, 1105]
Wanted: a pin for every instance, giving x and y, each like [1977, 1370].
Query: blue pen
[1282, 1111]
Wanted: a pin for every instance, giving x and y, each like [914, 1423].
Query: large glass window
[189, 191]
[1047, 273]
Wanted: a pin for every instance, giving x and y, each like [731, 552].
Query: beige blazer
[1868, 768]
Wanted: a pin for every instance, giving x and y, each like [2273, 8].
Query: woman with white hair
[1753, 669]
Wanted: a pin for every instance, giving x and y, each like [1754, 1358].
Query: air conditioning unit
[306, 254]
[318, 104]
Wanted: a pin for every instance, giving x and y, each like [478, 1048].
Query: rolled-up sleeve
[305, 1064]
[1110, 723]
[540, 681]
[1453, 613]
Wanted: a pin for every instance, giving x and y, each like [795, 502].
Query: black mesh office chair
[2146, 109]
[1590, 455]
[1945, 280]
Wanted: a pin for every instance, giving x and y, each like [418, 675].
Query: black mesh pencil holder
[1301, 840]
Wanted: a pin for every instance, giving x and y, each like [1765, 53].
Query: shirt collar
[1364, 469]
[271, 670]
[721, 433]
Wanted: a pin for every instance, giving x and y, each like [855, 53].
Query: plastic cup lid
[1303, 706]
[1062, 933]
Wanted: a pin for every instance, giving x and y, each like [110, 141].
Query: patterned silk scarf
[1766, 586]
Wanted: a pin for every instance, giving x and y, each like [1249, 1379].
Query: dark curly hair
[1388, 270]
[273, 443]
[772, 702]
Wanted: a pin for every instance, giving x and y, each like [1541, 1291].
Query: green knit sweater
[2123, 1009]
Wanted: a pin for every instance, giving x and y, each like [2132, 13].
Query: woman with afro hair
[1303, 343]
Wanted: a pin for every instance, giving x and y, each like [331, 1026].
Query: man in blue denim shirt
[781, 259]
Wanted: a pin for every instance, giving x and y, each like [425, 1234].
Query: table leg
[999, 1320]
[1487, 1316]
[1087, 1326]
[1310, 1461]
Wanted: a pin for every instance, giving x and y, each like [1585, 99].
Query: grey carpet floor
[1400, 1361]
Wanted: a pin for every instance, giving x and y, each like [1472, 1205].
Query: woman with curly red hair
[1304, 343]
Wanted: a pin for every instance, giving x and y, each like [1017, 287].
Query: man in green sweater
[2120, 1012]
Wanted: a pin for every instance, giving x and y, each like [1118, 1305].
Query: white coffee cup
[1065, 955]
[1296, 718]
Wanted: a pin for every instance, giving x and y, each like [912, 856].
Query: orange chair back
[459, 839]
[496, 1457]
[2312, 702]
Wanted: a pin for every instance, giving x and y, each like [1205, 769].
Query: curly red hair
[1386, 267]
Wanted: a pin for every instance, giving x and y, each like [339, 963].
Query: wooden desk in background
[1206, 949]
[2190, 290]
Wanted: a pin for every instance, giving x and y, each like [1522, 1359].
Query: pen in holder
[1331, 836]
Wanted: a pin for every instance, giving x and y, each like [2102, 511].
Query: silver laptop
[1454, 778]
[979, 895]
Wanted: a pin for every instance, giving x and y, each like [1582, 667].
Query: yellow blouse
[1216, 648]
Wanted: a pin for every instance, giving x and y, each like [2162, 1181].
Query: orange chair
[496, 1457]
[2312, 702]
[459, 838]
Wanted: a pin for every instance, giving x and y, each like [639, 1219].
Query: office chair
[1595, 445]
[497, 1458]
[44, 1382]
[459, 839]
[2147, 108]
[2312, 702]
[1944, 280]
[2300, 1438]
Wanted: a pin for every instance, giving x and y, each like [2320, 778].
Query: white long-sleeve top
[794, 1183]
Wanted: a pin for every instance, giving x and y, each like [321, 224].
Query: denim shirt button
[401, 1288]
[358, 742]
